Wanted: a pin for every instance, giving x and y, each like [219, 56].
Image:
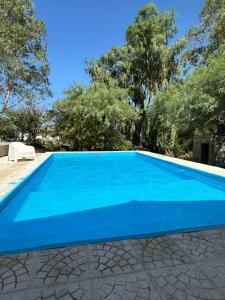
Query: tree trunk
[142, 129]
[6, 99]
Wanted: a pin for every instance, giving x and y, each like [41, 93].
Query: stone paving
[186, 266]
[8, 168]
[12, 173]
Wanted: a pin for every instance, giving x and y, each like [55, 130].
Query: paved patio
[183, 266]
[7, 168]
[180, 266]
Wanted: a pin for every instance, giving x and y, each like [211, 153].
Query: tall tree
[153, 60]
[146, 63]
[24, 66]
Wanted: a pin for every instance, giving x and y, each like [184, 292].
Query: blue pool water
[84, 197]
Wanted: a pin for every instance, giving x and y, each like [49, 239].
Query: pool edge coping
[186, 163]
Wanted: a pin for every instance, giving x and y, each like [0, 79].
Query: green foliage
[196, 105]
[7, 128]
[209, 35]
[153, 62]
[146, 63]
[203, 96]
[137, 95]
[167, 132]
[110, 68]
[100, 118]
[24, 67]
[25, 123]
[170, 107]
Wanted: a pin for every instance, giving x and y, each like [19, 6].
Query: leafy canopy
[146, 63]
[20, 124]
[24, 67]
[209, 35]
[97, 117]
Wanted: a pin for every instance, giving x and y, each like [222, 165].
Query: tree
[22, 123]
[100, 118]
[153, 61]
[24, 67]
[61, 115]
[167, 132]
[33, 120]
[209, 35]
[111, 67]
[196, 105]
[7, 129]
[203, 97]
[146, 63]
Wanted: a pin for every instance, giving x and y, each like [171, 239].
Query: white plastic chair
[18, 150]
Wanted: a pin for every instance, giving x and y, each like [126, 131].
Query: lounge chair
[18, 150]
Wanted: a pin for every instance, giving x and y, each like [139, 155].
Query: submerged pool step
[50, 203]
[45, 204]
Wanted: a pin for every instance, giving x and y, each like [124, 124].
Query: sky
[86, 29]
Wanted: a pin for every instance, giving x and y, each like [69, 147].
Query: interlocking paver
[159, 252]
[112, 258]
[13, 296]
[75, 291]
[199, 245]
[61, 265]
[185, 282]
[216, 234]
[181, 266]
[215, 270]
[125, 287]
[14, 271]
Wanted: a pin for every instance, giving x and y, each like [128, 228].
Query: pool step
[49, 203]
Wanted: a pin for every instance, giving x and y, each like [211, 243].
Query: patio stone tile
[74, 291]
[14, 272]
[125, 287]
[215, 270]
[112, 258]
[13, 296]
[185, 282]
[61, 265]
[214, 234]
[173, 267]
[217, 234]
[159, 252]
[199, 245]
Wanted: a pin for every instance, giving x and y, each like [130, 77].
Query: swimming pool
[87, 197]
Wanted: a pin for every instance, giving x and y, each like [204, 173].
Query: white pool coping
[186, 163]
